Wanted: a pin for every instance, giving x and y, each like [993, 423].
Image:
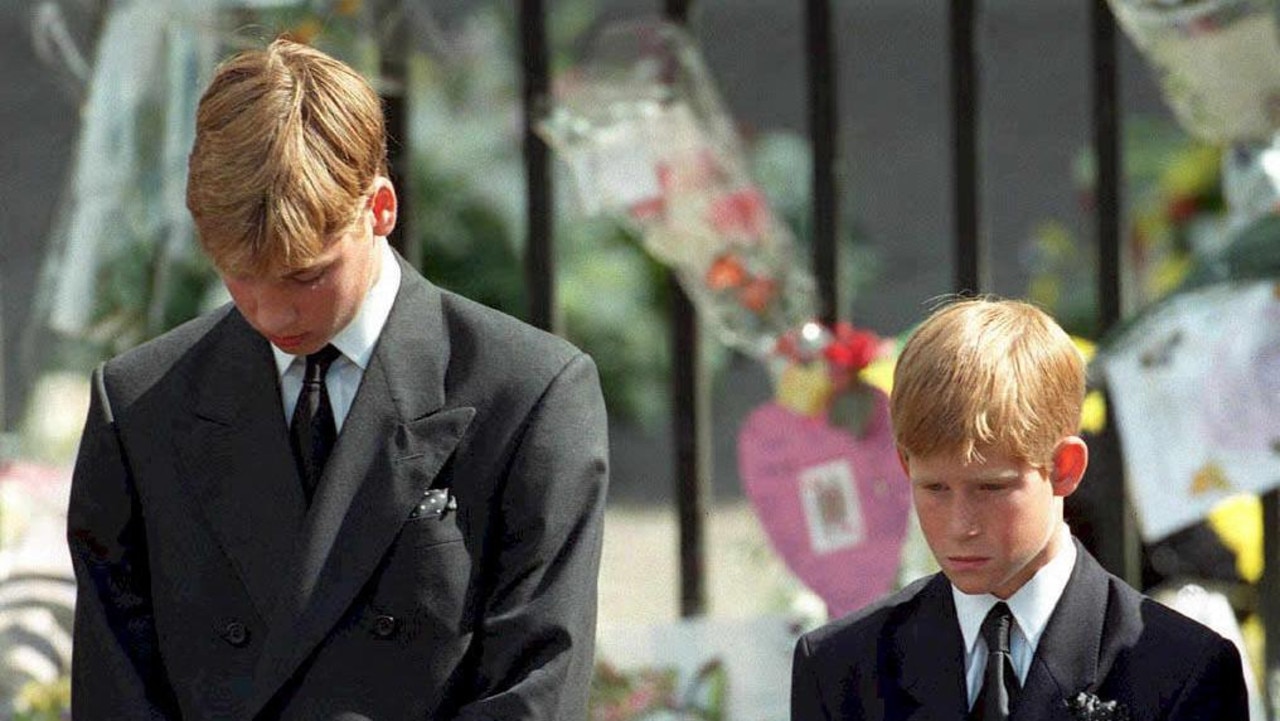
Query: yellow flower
[805, 389]
[1168, 275]
[38, 699]
[1192, 172]
[879, 374]
[1238, 522]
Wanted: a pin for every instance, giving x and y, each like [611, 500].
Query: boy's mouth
[966, 563]
[287, 342]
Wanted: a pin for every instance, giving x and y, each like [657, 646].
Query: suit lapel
[235, 459]
[394, 442]
[1067, 657]
[929, 648]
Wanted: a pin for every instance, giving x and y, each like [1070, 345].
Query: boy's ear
[902, 459]
[1070, 459]
[384, 207]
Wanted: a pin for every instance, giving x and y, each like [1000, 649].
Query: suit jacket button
[236, 634]
[384, 626]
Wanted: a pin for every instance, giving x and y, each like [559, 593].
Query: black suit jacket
[209, 590]
[903, 658]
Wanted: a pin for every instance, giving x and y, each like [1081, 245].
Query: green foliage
[614, 300]
[1173, 186]
[44, 701]
[135, 303]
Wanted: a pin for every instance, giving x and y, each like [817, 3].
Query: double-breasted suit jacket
[903, 659]
[445, 569]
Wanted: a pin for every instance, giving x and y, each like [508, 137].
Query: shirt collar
[358, 338]
[1031, 605]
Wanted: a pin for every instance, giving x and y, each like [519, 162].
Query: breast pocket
[433, 521]
[426, 575]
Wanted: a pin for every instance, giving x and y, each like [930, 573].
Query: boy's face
[300, 310]
[992, 525]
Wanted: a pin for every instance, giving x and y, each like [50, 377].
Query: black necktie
[312, 431]
[1000, 685]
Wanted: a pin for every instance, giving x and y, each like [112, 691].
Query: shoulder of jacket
[131, 373]
[865, 625]
[531, 350]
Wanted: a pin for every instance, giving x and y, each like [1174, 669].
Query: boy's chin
[971, 586]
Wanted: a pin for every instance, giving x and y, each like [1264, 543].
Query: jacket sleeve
[535, 645]
[1217, 690]
[116, 666]
[806, 699]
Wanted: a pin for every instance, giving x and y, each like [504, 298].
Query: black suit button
[236, 634]
[384, 626]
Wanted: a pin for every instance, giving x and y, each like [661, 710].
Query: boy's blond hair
[288, 142]
[987, 374]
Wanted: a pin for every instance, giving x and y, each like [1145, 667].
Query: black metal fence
[1116, 545]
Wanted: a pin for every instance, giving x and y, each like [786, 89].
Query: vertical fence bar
[1118, 545]
[823, 125]
[690, 425]
[964, 122]
[393, 70]
[4, 382]
[539, 265]
[1269, 601]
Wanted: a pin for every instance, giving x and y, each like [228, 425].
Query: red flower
[649, 209]
[1182, 209]
[726, 271]
[787, 347]
[852, 349]
[756, 295]
[741, 213]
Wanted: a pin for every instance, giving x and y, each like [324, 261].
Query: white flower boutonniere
[1085, 706]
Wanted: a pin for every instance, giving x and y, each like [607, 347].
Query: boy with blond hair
[1021, 623]
[348, 494]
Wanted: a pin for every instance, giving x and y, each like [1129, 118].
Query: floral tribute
[1218, 62]
[655, 693]
[643, 132]
[646, 137]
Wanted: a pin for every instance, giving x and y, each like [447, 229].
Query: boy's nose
[273, 315]
[964, 520]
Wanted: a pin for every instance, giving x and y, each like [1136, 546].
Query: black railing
[1117, 546]
[690, 424]
[824, 129]
[966, 181]
[539, 262]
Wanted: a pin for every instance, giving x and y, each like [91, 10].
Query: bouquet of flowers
[1218, 61]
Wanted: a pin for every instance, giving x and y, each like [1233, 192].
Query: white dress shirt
[356, 342]
[1032, 605]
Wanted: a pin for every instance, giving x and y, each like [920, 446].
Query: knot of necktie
[996, 627]
[1000, 685]
[313, 430]
[318, 364]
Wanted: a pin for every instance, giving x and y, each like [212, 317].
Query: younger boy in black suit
[1022, 623]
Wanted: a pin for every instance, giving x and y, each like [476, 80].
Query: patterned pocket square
[435, 503]
[1085, 706]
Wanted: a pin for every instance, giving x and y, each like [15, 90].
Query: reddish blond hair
[288, 142]
[987, 374]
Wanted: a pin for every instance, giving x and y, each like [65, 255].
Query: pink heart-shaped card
[834, 506]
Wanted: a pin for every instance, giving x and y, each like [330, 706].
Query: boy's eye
[308, 276]
[934, 487]
[993, 486]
